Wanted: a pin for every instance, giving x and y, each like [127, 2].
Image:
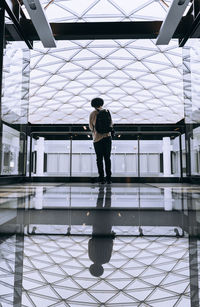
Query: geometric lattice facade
[141, 271]
[105, 10]
[139, 81]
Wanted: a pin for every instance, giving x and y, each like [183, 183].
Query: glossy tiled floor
[85, 245]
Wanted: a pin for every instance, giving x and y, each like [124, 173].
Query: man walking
[100, 123]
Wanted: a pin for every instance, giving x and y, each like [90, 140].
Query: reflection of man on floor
[101, 244]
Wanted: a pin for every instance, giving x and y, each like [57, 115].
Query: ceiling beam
[103, 30]
[171, 21]
[16, 29]
[40, 22]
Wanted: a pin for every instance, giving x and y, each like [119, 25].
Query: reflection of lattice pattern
[140, 82]
[105, 10]
[7, 268]
[146, 271]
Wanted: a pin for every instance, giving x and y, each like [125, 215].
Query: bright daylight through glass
[139, 81]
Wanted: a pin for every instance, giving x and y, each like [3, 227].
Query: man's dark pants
[103, 151]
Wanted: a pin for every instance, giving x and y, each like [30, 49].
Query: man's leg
[107, 152]
[99, 155]
[100, 197]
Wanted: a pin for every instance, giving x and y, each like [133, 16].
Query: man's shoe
[102, 181]
[108, 181]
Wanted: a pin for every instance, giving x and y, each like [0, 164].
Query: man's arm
[91, 126]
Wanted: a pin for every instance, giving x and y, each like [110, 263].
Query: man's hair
[97, 102]
[96, 269]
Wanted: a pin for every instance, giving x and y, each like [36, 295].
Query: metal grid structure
[139, 81]
[105, 10]
[141, 272]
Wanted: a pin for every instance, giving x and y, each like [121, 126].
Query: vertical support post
[24, 154]
[188, 136]
[168, 205]
[2, 31]
[22, 146]
[181, 157]
[40, 157]
[70, 157]
[25, 99]
[38, 199]
[188, 110]
[30, 156]
[138, 142]
[166, 156]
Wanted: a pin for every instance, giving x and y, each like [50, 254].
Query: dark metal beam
[18, 272]
[16, 27]
[194, 272]
[2, 42]
[103, 30]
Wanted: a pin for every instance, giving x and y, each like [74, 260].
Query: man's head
[97, 102]
[96, 269]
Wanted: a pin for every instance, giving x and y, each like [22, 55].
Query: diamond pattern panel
[105, 10]
[139, 81]
[7, 268]
[141, 271]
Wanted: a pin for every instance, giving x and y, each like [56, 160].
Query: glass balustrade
[143, 156]
[13, 144]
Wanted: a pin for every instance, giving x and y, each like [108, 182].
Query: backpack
[103, 121]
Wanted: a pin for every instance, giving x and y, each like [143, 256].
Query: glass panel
[191, 65]
[15, 93]
[14, 107]
[50, 157]
[124, 158]
[160, 157]
[83, 159]
[157, 158]
[151, 158]
[13, 154]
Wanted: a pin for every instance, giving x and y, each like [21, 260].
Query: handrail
[118, 132]
[135, 133]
